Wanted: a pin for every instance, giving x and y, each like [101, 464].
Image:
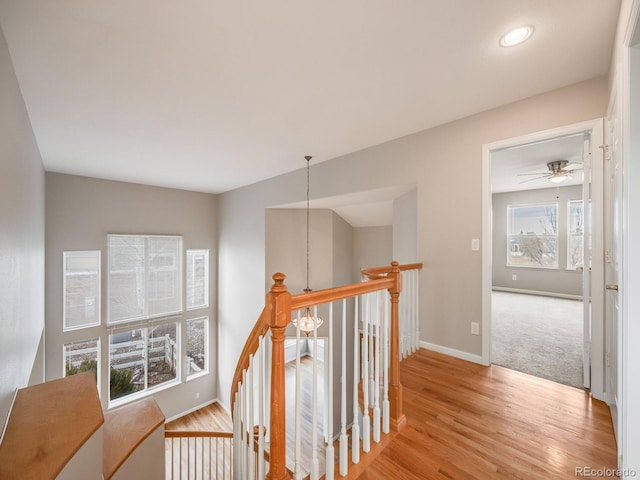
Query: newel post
[279, 302]
[397, 417]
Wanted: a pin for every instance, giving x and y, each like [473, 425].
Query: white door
[593, 275]
[612, 222]
[586, 263]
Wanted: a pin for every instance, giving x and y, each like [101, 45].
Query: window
[533, 235]
[197, 346]
[82, 356]
[141, 359]
[197, 279]
[575, 234]
[144, 276]
[81, 289]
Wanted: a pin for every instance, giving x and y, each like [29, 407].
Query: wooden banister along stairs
[382, 332]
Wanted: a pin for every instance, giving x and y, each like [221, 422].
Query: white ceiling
[510, 166]
[212, 95]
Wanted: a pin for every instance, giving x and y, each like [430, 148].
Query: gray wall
[405, 228]
[21, 239]
[449, 213]
[372, 247]
[80, 213]
[561, 280]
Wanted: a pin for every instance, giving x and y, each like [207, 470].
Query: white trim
[594, 127]
[452, 352]
[536, 292]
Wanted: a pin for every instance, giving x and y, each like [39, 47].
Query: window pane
[126, 277]
[197, 278]
[533, 235]
[144, 276]
[533, 219]
[164, 275]
[575, 218]
[81, 357]
[575, 232]
[163, 354]
[197, 346]
[81, 287]
[126, 363]
[533, 251]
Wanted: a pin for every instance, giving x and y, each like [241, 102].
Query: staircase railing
[363, 384]
[198, 455]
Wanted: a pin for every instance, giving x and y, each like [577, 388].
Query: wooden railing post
[279, 301]
[397, 418]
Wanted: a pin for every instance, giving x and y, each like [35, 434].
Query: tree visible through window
[575, 234]
[197, 279]
[533, 235]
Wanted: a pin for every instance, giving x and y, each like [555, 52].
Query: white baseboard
[452, 352]
[535, 292]
[191, 410]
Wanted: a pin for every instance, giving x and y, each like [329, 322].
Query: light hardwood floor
[466, 421]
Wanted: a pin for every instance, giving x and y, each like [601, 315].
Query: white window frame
[146, 391]
[65, 255]
[205, 371]
[509, 264]
[190, 254]
[145, 315]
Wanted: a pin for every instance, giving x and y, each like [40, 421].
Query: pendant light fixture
[308, 322]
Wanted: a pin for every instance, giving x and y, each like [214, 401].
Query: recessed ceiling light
[516, 36]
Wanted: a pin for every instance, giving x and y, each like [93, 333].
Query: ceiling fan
[559, 171]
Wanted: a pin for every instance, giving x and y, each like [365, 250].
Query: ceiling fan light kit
[559, 171]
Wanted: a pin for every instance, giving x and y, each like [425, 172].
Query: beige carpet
[538, 335]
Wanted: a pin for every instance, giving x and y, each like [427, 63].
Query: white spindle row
[369, 315]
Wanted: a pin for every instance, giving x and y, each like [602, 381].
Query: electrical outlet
[514, 277]
[475, 244]
[475, 328]
[197, 395]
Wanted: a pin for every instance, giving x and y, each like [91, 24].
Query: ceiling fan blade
[572, 166]
[533, 179]
[523, 174]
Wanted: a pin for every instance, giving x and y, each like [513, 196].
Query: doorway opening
[538, 255]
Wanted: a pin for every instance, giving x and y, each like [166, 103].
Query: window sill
[137, 396]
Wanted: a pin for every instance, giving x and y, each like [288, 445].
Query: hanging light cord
[307, 158]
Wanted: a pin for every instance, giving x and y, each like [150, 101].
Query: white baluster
[376, 377]
[372, 313]
[344, 442]
[355, 426]
[385, 366]
[237, 435]
[416, 307]
[329, 451]
[251, 455]
[297, 468]
[243, 420]
[315, 474]
[261, 403]
[366, 421]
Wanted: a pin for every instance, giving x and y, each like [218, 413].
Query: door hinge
[606, 150]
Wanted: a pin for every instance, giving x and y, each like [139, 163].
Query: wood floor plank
[468, 421]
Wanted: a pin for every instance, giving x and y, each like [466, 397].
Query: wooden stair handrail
[276, 316]
[250, 347]
[381, 272]
[196, 433]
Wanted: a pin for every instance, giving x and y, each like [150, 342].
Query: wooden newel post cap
[278, 282]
